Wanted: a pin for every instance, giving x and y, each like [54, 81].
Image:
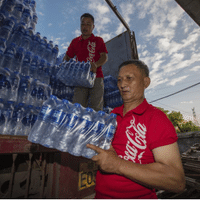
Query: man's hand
[107, 160]
[93, 67]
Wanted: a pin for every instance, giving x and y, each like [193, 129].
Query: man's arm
[66, 57]
[102, 60]
[165, 173]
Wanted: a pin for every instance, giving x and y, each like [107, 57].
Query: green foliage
[177, 120]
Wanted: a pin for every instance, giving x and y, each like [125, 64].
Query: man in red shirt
[88, 47]
[144, 154]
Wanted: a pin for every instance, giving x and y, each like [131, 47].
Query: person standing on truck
[88, 47]
[144, 154]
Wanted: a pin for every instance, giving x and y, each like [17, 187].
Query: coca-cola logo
[136, 141]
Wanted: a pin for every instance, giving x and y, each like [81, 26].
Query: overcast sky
[168, 41]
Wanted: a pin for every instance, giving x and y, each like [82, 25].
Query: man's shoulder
[76, 39]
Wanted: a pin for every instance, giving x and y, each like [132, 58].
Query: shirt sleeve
[162, 131]
[70, 51]
[102, 46]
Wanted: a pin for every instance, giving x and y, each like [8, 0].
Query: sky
[168, 41]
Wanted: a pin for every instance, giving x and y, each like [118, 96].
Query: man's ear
[93, 26]
[147, 82]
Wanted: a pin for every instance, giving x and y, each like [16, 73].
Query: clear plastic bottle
[7, 112]
[96, 134]
[33, 93]
[2, 49]
[26, 40]
[47, 53]
[40, 71]
[24, 88]
[42, 122]
[8, 7]
[26, 64]
[83, 133]
[26, 121]
[26, 17]
[17, 60]
[9, 56]
[33, 67]
[17, 35]
[111, 125]
[35, 43]
[69, 126]
[2, 117]
[56, 120]
[17, 12]
[15, 81]
[4, 83]
[15, 123]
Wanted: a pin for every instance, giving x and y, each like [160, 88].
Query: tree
[177, 120]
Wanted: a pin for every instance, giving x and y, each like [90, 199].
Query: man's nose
[122, 84]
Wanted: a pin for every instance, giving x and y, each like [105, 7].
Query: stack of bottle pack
[112, 97]
[74, 73]
[69, 127]
[22, 89]
[17, 119]
[59, 89]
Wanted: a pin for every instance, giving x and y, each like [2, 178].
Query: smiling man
[88, 47]
[144, 155]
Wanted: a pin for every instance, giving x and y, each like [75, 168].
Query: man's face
[87, 26]
[132, 83]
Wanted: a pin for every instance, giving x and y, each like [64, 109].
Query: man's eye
[118, 80]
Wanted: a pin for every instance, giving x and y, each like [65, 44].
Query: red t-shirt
[138, 133]
[88, 49]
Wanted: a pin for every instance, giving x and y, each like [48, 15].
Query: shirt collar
[138, 110]
[90, 38]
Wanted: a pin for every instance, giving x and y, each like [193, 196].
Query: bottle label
[44, 113]
[58, 117]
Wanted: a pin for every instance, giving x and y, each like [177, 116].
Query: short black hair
[87, 15]
[140, 64]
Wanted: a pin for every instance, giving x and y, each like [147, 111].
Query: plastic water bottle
[46, 74]
[8, 6]
[47, 53]
[2, 18]
[17, 60]
[26, 16]
[15, 81]
[2, 118]
[6, 28]
[54, 55]
[97, 132]
[33, 67]
[86, 71]
[17, 12]
[56, 120]
[26, 64]
[15, 123]
[35, 43]
[8, 56]
[4, 83]
[67, 130]
[26, 121]
[34, 21]
[110, 131]
[7, 112]
[83, 133]
[17, 34]
[27, 39]
[40, 71]
[24, 88]
[33, 93]
[42, 122]
[33, 6]
[2, 49]
[42, 94]
[41, 48]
